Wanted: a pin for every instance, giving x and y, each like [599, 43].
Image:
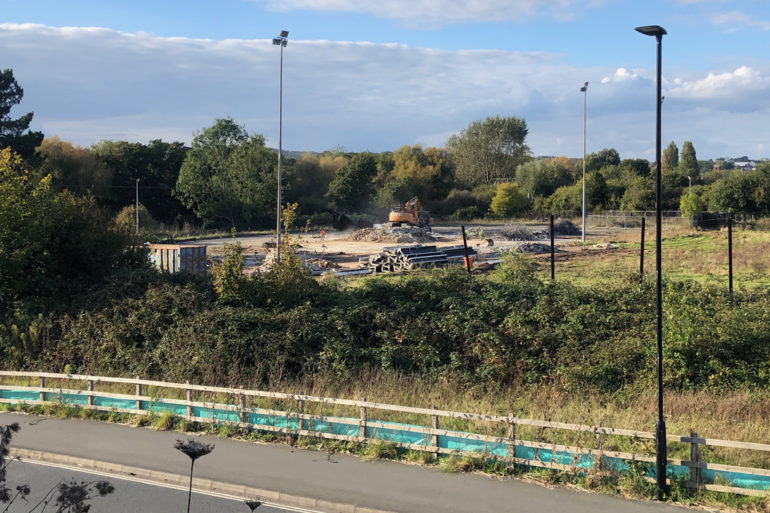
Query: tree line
[227, 177]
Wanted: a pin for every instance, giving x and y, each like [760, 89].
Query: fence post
[434, 437]
[641, 251]
[511, 439]
[362, 423]
[90, 390]
[139, 394]
[730, 252]
[242, 404]
[189, 400]
[301, 411]
[552, 261]
[598, 441]
[42, 385]
[694, 458]
[465, 246]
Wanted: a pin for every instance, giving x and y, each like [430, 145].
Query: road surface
[299, 477]
[130, 495]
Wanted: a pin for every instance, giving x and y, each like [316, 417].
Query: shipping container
[175, 258]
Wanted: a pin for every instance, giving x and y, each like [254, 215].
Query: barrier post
[90, 392]
[434, 437]
[42, 385]
[695, 478]
[139, 394]
[362, 423]
[189, 400]
[301, 411]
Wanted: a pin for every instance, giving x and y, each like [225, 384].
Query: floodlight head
[277, 40]
[284, 33]
[652, 30]
[584, 88]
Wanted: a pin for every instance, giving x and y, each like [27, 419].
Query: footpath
[296, 477]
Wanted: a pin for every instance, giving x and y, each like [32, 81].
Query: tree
[425, 173]
[310, 180]
[51, 243]
[691, 204]
[639, 194]
[156, 165]
[543, 177]
[566, 200]
[688, 162]
[639, 167]
[74, 168]
[352, 186]
[12, 131]
[489, 150]
[228, 177]
[508, 201]
[603, 158]
[670, 159]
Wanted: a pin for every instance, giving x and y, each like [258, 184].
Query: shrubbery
[484, 331]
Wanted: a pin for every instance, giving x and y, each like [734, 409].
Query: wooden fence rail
[367, 421]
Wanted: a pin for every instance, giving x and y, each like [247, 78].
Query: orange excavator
[410, 214]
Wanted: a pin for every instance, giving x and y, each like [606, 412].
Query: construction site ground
[342, 250]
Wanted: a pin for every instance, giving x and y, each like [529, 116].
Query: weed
[165, 421]
[381, 450]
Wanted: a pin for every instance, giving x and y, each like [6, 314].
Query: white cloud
[621, 75]
[87, 84]
[442, 11]
[744, 89]
[737, 20]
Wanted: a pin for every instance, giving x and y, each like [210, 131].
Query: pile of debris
[520, 232]
[400, 235]
[534, 247]
[406, 258]
[311, 261]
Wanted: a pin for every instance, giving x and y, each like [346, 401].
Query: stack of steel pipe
[406, 258]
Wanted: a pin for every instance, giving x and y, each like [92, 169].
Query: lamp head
[281, 39]
[584, 88]
[652, 30]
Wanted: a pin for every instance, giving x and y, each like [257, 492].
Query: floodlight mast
[660, 426]
[584, 90]
[281, 41]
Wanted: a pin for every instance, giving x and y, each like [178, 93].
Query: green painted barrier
[395, 433]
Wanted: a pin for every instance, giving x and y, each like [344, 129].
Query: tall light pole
[584, 90]
[137, 211]
[281, 40]
[660, 425]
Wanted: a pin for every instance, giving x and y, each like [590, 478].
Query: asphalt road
[130, 496]
[344, 479]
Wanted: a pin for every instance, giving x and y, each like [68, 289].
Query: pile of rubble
[534, 247]
[401, 235]
[311, 261]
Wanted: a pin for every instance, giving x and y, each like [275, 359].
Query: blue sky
[378, 75]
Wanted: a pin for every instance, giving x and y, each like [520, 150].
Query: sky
[376, 75]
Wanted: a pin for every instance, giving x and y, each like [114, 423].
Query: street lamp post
[660, 425]
[137, 211]
[689, 187]
[584, 90]
[281, 40]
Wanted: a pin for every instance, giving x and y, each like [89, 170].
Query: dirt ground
[337, 247]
